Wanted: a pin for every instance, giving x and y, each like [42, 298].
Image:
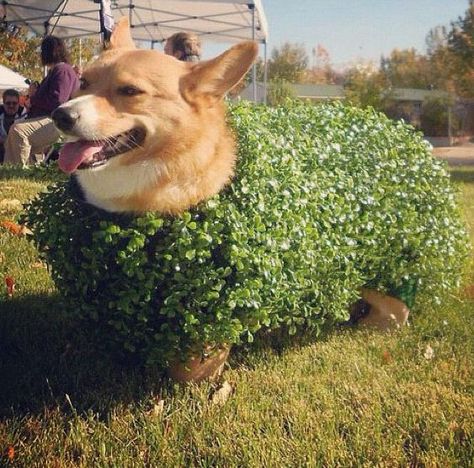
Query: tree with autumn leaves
[460, 50]
[447, 65]
[20, 52]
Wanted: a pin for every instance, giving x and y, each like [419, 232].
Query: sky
[355, 30]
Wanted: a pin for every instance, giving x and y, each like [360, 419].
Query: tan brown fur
[386, 312]
[197, 167]
[188, 144]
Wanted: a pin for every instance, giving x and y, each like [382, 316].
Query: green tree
[81, 51]
[321, 71]
[407, 69]
[365, 86]
[451, 55]
[440, 58]
[279, 90]
[289, 62]
[461, 47]
[437, 38]
[436, 117]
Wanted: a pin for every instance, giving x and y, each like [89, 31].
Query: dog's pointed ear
[121, 37]
[212, 79]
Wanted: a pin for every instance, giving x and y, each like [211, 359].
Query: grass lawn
[352, 398]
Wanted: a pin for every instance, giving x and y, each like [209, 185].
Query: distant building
[324, 92]
[407, 103]
[403, 103]
[318, 92]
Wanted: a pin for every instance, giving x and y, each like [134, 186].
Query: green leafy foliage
[326, 200]
[435, 118]
[279, 90]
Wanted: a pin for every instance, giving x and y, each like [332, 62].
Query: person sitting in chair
[30, 138]
[9, 112]
[32, 88]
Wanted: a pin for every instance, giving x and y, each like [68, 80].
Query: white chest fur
[103, 186]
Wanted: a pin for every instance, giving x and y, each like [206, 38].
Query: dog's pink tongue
[72, 155]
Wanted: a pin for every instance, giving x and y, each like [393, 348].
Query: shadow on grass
[279, 341]
[462, 175]
[47, 360]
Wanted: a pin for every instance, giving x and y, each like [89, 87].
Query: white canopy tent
[11, 79]
[151, 20]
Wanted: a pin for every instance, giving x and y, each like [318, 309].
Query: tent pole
[265, 72]
[47, 26]
[254, 67]
[80, 53]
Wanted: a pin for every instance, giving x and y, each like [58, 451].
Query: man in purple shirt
[28, 139]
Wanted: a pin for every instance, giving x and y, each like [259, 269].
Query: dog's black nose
[64, 119]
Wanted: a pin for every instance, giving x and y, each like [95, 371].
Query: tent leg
[254, 67]
[265, 73]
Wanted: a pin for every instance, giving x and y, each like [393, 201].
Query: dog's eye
[129, 91]
[84, 84]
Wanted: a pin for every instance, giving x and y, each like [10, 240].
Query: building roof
[327, 91]
[417, 95]
[318, 91]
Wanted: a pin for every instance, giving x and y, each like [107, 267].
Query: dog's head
[135, 105]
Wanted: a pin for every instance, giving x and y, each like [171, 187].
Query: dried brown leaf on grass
[387, 357]
[469, 291]
[429, 353]
[157, 409]
[11, 452]
[10, 284]
[15, 228]
[222, 394]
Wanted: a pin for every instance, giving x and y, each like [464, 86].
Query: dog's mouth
[85, 154]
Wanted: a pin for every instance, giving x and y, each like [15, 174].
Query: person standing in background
[184, 46]
[31, 137]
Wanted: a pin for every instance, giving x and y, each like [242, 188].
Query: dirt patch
[456, 155]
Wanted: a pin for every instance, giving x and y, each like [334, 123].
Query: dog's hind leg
[385, 312]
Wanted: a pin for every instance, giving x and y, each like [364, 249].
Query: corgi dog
[147, 132]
